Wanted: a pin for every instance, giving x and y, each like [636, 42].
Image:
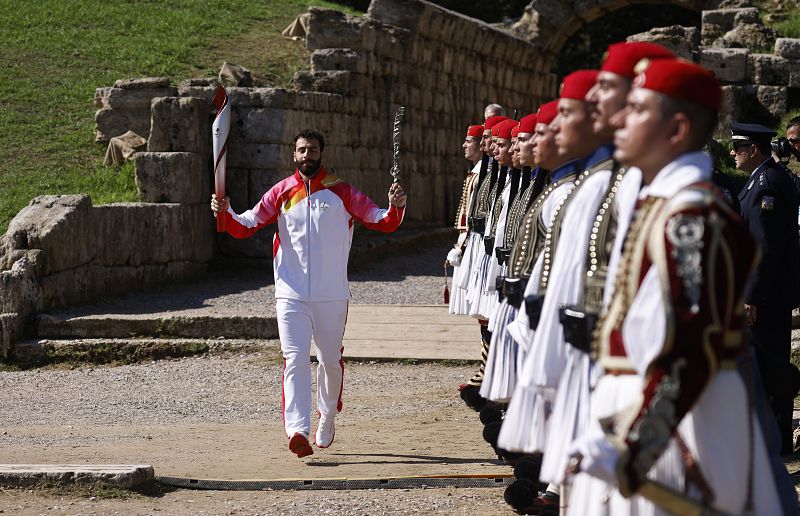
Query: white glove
[454, 257]
[598, 456]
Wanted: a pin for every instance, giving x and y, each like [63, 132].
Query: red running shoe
[299, 445]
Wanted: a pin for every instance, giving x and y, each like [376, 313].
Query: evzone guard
[672, 425]
[648, 403]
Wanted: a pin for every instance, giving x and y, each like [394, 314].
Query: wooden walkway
[413, 332]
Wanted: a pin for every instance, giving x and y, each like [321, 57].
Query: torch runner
[219, 135]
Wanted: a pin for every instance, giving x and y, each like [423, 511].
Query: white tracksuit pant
[298, 321]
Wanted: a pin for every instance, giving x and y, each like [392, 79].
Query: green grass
[54, 53]
[789, 27]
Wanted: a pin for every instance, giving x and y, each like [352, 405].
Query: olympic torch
[219, 135]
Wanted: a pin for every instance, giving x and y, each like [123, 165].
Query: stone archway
[549, 24]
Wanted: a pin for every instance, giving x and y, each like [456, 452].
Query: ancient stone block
[202, 88]
[767, 69]
[788, 47]
[345, 59]
[180, 124]
[260, 97]
[237, 182]
[59, 225]
[255, 155]
[172, 177]
[774, 99]
[154, 233]
[137, 98]
[143, 83]
[328, 81]
[11, 325]
[392, 45]
[328, 28]
[753, 36]
[110, 123]
[91, 281]
[556, 12]
[732, 97]
[728, 64]
[19, 294]
[682, 41]
[235, 75]
[794, 73]
[398, 13]
[258, 125]
[727, 18]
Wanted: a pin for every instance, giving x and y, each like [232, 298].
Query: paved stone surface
[123, 475]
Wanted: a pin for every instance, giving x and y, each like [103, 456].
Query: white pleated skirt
[524, 427]
[570, 414]
[500, 373]
[589, 496]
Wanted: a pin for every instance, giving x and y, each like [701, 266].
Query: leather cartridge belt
[533, 307]
[477, 224]
[513, 289]
[488, 245]
[502, 254]
[578, 325]
[499, 281]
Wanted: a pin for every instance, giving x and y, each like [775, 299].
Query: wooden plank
[390, 330]
[408, 349]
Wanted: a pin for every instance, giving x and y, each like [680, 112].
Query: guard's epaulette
[762, 178]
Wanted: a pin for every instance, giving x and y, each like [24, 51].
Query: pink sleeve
[365, 210]
[262, 214]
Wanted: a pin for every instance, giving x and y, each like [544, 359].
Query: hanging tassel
[446, 290]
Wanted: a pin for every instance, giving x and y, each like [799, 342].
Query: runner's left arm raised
[365, 210]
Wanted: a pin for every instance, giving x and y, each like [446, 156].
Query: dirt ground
[399, 420]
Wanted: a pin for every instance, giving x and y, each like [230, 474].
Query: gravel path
[202, 389]
[207, 417]
[219, 416]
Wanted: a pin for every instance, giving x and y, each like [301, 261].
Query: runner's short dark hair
[793, 122]
[311, 134]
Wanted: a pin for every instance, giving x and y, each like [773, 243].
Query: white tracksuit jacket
[315, 229]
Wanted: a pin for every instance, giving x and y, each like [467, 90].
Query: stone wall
[409, 53]
[548, 24]
[757, 86]
[61, 250]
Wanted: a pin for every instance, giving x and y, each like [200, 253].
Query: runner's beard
[309, 168]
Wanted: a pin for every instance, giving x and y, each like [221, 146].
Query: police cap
[750, 133]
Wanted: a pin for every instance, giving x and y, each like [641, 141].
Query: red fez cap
[475, 130]
[547, 112]
[577, 84]
[528, 124]
[493, 121]
[681, 80]
[503, 129]
[515, 131]
[621, 58]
